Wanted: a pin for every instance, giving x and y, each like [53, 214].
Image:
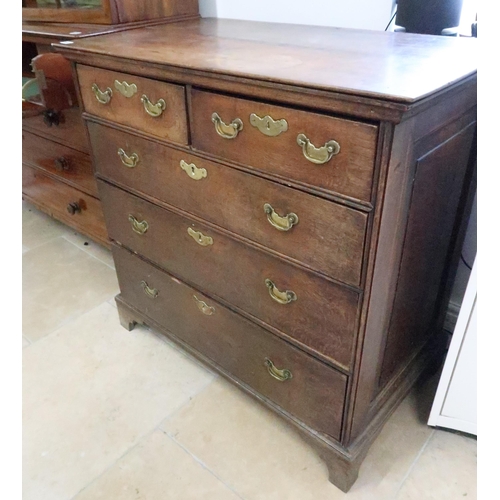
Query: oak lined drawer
[55, 196]
[69, 164]
[167, 102]
[349, 172]
[236, 344]
[320, 314]
[328, 237]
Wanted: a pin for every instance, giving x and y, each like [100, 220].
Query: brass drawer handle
[152, 293]
[227, 131]
[281, 375]
[128, 161]
[280, 297]
[193, 171]
[268, 126]
[280, 223]
[153, 110]
[126, 89]
[138, 227]
[200, 238]
[102, 97]
[318, 155]
[203, 306]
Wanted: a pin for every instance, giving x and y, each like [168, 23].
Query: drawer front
[315, 393]
[155, 107]
[55, 197]
[303, 145]
[328, 237]
[72, 165]
[69, 131]
[316, 313]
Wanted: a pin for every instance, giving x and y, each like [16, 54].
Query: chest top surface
[399, 67]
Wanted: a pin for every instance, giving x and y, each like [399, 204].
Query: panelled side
[424, 181]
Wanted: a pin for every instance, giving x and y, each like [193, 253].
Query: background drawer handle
[74, 208]
[268, 126]
[281, 223]
[102, 97]
[200, 238]
[193, 171]
[318, 155]
[152, 293]
[153, 110]
[138, 227]
[126, 89]
[128, 161]
[203, 306]
[280, 297]
[281, 375]
[61, 164]
[227, 131]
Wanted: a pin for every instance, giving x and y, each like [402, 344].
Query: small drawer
[332, 154]
[77, 209]
[67, 129]
[155, 107]
[69, 164]
[326, 236]
[287, 376]
[309, 310]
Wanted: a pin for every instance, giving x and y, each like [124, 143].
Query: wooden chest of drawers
[289, 218]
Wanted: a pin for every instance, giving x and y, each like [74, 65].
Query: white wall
[363, 14]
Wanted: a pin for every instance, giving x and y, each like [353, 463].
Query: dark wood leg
[126, 316]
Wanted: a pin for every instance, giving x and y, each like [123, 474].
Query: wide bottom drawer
[65, 203]
[303, 386]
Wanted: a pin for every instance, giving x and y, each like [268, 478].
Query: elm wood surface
[72, 166]
[236, 344]
[348, 173]
[364, 63]
[322, 319]
[235, 201]
[54, 197]
[171, 124]
[433, 109]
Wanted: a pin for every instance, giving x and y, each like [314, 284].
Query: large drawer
[328, 237]
[61, 200]
[71, 165]
[236, 344]
[155, 107]
[315, 313]
[304, 149]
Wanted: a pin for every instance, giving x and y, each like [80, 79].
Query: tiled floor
[110, 414]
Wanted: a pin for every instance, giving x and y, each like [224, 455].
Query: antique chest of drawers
[284, 203]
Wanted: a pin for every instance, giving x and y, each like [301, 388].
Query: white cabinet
[455, 403]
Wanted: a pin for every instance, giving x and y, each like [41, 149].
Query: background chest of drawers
[290, 222]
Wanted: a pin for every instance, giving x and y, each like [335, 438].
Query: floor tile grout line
[139, 440]
[29, 249]
[87, 252]
[186, 403]
[414, 463]
[66, 322]
[203, 464]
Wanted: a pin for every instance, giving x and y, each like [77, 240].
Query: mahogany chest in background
[57, 169]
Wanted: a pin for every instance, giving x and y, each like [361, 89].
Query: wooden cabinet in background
[57, 170]
[292, 222]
